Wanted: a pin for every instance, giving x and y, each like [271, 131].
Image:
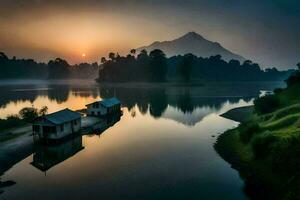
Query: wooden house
[104, 107]
[57, 125]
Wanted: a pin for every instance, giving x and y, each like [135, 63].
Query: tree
[294, 78]
[112, 56]
[103, 60]
[133, 52]
[43, 111]
[158, 62]
[28, 114]
[185, 67]
[58, 69]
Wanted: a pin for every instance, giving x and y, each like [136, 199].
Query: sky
[264, 31]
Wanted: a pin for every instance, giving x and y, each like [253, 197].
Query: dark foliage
[29, 114]
[156, 67]
[58, 69]
[21, 68]
[266, 104]
[294, 78]
[55, 69]
[248, 130]
[287, 158]
[263, 145]
[84, 70]
[11, 121]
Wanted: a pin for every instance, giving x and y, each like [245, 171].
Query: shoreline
[240, 114]
[261, 182]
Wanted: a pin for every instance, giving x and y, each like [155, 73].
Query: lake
[160, 148]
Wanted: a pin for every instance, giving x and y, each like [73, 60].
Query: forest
[13, 68]
[142, 67]
[156, 67]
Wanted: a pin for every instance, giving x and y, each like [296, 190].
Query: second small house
[104, 107]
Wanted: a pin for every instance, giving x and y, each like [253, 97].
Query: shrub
[278, 90]
[11, 121]
[266, 104]
[286, 158]
[247, 130]
[262, 145]
[28, 114]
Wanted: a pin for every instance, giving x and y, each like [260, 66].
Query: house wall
[60, 133]
[96, 111]
[67, 129]
[114, 109]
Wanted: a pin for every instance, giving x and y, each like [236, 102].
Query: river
[160, 148]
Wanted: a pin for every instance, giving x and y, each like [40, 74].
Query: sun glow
[83, 55]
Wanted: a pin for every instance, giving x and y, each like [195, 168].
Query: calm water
[161, 148]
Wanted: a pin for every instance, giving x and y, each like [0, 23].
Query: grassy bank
[13, 125]
[265, 147]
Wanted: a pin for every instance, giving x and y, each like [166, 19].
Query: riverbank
[241, 114]
[264, 149]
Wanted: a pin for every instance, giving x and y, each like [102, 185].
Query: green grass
[266, 148]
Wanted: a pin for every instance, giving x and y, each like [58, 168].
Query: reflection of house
[103, 125]
[57, 125]
[47, 156]
[104, 107]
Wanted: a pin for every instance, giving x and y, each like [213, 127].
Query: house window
[98, 113]
[75, 122]
[93, 113]
[62, 128]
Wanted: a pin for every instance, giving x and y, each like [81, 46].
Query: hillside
[195, 44]
[265, 149]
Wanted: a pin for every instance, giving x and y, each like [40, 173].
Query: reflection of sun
[83, 55]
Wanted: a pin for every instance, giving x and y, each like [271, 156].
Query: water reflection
[161, 148]
[103, 125]
[47, 156]
[152, 100]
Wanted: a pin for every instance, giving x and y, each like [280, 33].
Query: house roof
[107, 102]
[62, 116]
[110, 102]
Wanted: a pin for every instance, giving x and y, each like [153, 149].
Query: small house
[57, 125]
[104, 107]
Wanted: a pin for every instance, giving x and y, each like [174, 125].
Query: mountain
[192, 43]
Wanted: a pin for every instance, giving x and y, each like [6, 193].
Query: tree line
[13, 68]
[142, 66]
[156, 67]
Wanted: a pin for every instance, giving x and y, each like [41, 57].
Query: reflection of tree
[143, 107]
[157, 99]
[85, 92]
[8, 94]
[58, 93]
[185, 102]
[158, 102]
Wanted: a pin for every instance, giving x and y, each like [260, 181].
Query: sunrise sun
[83, 55]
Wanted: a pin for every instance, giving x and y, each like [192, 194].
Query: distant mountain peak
[194, 43]
[191, 36]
